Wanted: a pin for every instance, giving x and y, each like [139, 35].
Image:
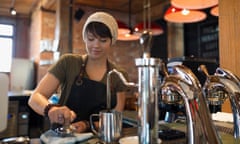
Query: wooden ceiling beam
[49, 4]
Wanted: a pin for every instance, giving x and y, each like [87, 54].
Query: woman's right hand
[61, 115]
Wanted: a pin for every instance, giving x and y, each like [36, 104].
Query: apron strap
[78, 80]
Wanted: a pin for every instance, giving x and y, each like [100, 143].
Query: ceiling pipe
[147, 23]
[131, 36]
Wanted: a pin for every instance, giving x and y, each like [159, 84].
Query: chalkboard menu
[208, 39]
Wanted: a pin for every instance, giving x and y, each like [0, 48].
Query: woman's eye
[91, 39]
[103, 40]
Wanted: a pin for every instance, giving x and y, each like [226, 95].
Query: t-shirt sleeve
[59, 68]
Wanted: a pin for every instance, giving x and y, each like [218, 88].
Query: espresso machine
[223, 84]
[183, 87]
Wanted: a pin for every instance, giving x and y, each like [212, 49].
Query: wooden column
[64, 25]
[229, 38]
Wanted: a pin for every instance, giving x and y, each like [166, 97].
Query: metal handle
[92, 124]
[203, 69]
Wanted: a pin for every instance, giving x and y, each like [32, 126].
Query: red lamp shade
[194, 4]
[154, 28]
[124, 33]
[214, 11]
[177, 15]
[122, 28]
[128, 37]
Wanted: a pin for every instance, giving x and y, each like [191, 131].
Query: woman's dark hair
[99, 29]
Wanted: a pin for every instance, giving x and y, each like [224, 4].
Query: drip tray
[224, 127]
[171, 134]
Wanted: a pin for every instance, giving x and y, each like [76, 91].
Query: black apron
[88, 96]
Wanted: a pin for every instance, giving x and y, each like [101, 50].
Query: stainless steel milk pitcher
[110, 125]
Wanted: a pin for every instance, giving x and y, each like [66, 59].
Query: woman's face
[97, 47]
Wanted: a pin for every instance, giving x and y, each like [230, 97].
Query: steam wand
[129, 84]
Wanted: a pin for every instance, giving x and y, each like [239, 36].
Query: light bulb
[13, 11]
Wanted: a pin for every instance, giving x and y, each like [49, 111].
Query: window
[6, 46]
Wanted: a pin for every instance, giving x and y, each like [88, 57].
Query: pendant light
[154, 28]
[178, 15]
[130, 36]
[122, 28]
[214, 11]
[194, 4]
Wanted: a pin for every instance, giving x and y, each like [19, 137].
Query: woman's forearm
[38, 103]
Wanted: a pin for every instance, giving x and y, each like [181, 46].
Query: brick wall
[123, 53]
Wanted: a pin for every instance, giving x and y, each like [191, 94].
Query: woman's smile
[96, 51]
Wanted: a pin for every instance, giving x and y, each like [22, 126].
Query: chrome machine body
[182, 86]
[148, 87]
[221, 85]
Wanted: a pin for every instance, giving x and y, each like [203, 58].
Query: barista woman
[82, 78]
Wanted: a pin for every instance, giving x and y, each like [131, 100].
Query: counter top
[23, 93]
[226, 138]
[224, 129]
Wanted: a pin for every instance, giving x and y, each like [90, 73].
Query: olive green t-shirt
[68, 67]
